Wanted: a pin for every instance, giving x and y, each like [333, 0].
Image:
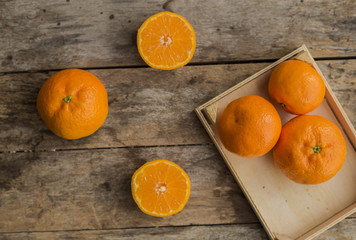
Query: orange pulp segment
[166, 41]
[160, 188]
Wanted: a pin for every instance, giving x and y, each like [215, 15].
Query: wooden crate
[286, 209]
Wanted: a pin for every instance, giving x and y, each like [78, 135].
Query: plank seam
[148, 227]
[106, 148]
[190, 64]
[135, 228]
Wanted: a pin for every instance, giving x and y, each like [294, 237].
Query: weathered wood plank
[66, 190]
[245, 231]
[147, 107]
[344, 230]
[50, 34]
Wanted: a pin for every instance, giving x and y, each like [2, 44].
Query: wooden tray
[288, 210]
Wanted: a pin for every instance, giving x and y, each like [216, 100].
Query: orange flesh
[166, 41]
[160, 188]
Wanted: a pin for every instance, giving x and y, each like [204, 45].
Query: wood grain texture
[51, 34]
[52, 188]
[71, 190]
[147, 107]
[245, 231]
[345, 230]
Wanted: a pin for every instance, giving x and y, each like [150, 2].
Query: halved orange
[166, 41]
[160, 188]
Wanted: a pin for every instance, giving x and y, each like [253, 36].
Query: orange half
[160, 188]
[166, 41]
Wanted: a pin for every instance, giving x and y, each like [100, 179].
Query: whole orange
[296, 86]
[249, 126]
[73, 103]
[310, 150]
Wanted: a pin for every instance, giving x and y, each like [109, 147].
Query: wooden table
[52, 188]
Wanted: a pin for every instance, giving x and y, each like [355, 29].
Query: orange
[311, 149]
[160, 188]
[166, 41]
[296, 86]
[73, 103]
[249, 126]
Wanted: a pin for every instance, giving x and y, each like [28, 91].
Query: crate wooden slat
[286, 209]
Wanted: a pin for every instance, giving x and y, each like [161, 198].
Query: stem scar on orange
[296, 86]
[310, 150]
[160, 188]
[73, 103]
[166, 41]
[249, 126]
